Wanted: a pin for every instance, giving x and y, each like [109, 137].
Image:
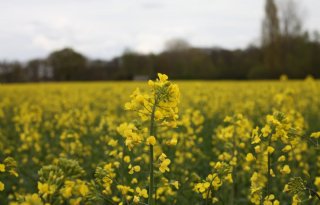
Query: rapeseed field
[160, 142]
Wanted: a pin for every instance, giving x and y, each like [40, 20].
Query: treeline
[285, 49]
[301, 59]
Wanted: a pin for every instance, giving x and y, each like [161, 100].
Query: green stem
[122, 168]
[234, 172]
[313, 192]
[151, 176]
[269, 167]
[209, 190]
[155, 195]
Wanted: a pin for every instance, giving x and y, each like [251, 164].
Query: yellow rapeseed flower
[317, 182]
[2, 168]
[151, 140]
[315, 135]
[1, 186]
[250, 157]
[270, 149]
[285, 170]
[176, 184]
[142, 192]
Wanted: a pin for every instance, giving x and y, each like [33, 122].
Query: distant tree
[316, 36]
[11, 72]
[236, 64]
[38, 70]
[191, 63]
[32, 70]
[291, 20]
[295, 51]
[177, 45]
[103, 70]
[271, 25]
[68, 65]
[133, 64]
[271, 39]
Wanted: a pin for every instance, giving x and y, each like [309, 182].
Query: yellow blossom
[287, 148]
[172, 142]
[315, 135]
[134, 169]
[151, 140]
[266, 130]
[2, 168]
[142, 192]
[164, 165]
[176, 184]
[127, 159]
[1, 186]
[33, 199]
[250, 157]
[270, 149]
[136, 199]
[257, 149]
[317, 182]
[83, 189]
[285, 170]
[282, 158]
[46, 189]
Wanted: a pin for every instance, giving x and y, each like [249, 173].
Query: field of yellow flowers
[160, 143]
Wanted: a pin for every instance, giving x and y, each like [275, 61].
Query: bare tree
[271, 25]
[271, 38]
[291, 17]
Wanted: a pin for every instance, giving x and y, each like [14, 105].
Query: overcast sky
[105, 28]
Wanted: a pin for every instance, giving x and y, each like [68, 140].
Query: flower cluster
[162, 101]
[8, 166]
[221, 173]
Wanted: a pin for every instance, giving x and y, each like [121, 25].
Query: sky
[106, 28]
